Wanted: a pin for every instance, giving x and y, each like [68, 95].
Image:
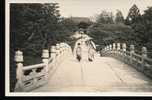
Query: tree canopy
[37, 26]
[119, 17]
[133, 15]
[136, 30]
[105, 18]
[106, 30]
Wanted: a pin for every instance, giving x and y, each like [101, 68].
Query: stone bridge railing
[33, 76]
[119, 51]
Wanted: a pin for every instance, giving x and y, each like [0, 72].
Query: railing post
[124, 51]
[107, 50]
[144, 52]
[61, 51]
[121, 49]
[53, 55]
[69, 49]
[57, 53]
[53, 52]
[118, 48]
[64, 49]
[45, 58]
[110, 47]
[114, 46]
[19, 71]
[132, 51]
[124, 48]
[104, 51]
[61, 48]
[144, 55]
[60, 45]
[57, 49]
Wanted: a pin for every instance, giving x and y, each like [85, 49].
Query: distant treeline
[135, 29]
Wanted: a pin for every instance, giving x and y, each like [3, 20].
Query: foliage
[119, 17]
[33, 26]
[142, 26]
[105, 18]
[143, 30]
[84, 25]
[106, 31]
[133, 15]
[37, 26]
[69, 24]
[137, 29]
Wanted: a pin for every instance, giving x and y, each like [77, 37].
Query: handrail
[50, 60]
[33, 66]
[140, 62]
[33, 76]
[137, 56]
[148, 61]
[127, 53]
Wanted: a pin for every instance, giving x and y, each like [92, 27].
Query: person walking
[78, 52]
[90, 54]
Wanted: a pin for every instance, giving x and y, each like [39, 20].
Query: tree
[84, 25]
[69, 24]
[33, 25]
[119, 17]
[147, 29]
[142, 27]
[31, 28]
[147, 22]
[105, 18]
[103, 34]
[133, 15]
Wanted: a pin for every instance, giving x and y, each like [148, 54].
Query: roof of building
[80, 19]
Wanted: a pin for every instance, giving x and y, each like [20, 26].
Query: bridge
[115, 69]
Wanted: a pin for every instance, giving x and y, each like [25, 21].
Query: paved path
[102, 75]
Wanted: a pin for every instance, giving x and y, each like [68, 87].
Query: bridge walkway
[104, 74]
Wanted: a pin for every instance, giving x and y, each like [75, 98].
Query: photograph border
[7, 62]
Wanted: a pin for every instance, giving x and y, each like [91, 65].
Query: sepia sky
[89, 8]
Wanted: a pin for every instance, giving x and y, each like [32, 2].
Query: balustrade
[33, 76]
[140, 62]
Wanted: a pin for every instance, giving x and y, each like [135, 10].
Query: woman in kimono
[90, 54]
[78, 52]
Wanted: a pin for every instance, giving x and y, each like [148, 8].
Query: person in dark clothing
[78, 52]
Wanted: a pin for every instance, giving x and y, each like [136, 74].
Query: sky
[89, 8]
